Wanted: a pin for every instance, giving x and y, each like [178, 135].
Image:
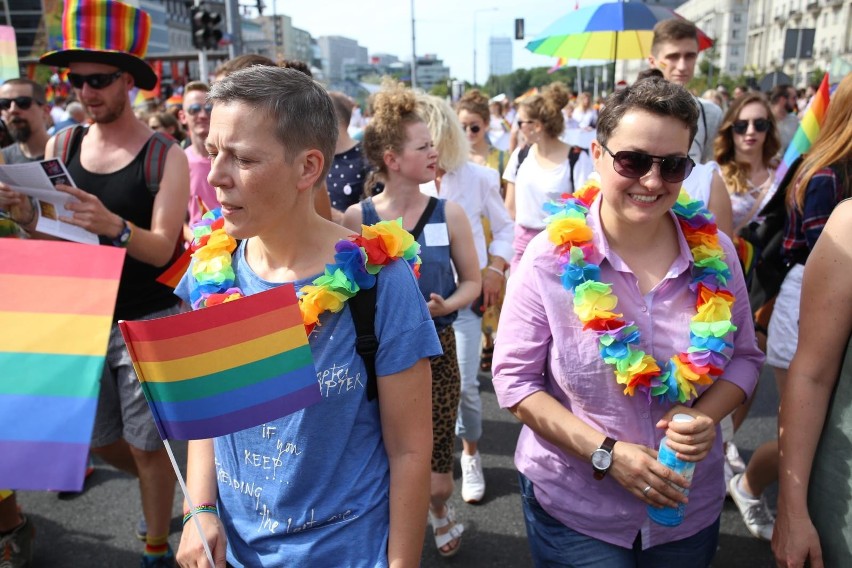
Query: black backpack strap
[362, 306]
[424, 218]
[522, 155]
[574, 155]
[155, 160]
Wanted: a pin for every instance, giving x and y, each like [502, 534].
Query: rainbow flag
[225, 368]
[56, 306]
[808, 130]
[9, 68]
[173, 274]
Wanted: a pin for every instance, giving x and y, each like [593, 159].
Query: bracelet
[204, 508]
[32, 217]
[495, 269]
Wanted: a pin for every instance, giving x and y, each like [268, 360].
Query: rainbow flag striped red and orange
[56, 308]
[226, 368]
[809, 128]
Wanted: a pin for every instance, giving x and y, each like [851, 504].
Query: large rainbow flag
[225, 368]
[808, 131]
[56, 306]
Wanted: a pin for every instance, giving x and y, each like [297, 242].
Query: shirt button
[644, 308]
[645, 415]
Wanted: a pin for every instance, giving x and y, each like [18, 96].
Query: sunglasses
[475, 128]
[95, 80]
[523, 122]
[195, 108]
[634, 165]
[23, 103]
[760, 125]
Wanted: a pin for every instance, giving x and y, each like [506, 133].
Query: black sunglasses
[634, 165]
[195, 108]
[23, 103]
[95, 80]
[740, 126]
[523, 122]
[475, 128]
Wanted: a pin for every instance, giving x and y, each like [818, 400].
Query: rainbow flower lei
[357, 261]
[594, 302]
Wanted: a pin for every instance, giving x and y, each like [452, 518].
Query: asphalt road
[96, 528]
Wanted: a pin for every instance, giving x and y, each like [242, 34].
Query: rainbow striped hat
[108, 32]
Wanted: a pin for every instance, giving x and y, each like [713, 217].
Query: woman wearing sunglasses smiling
[620, 316]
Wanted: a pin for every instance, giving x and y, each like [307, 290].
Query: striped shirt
[803, 228]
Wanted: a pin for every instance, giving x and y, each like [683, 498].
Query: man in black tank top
[108, 162]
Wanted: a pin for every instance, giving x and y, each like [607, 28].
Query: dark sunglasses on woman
[475, 128]
[23, 103]
[634, 165]
[741, 126]
[95, 80]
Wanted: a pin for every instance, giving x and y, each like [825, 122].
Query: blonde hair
[834, 144]
[547, 108]
[447, 132]
[394, 108]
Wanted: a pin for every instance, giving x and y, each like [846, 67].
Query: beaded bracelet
[495, 269]
[203, 508]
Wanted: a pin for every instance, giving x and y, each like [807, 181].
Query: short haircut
[302, 111]
[196, 86]
[653, 95]
[648, 73]
[779, 92]
[342, 106]
[673, 29]
[242, 62]
[36, 88]
[298, 66]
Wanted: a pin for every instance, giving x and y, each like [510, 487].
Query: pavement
[96, 528]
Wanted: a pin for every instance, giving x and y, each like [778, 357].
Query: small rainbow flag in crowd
[56, 308]
[8, 54]
[225, 368]
[808, 130]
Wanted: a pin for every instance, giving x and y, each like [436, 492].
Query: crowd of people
[607, 282]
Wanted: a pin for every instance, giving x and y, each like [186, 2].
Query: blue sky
[443, 27]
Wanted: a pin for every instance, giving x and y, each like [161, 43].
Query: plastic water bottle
[673, 516]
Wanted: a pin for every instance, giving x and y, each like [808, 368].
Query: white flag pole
[192, 513]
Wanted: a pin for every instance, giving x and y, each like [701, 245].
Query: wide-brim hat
[107, 32]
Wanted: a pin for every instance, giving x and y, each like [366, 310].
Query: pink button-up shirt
[541, 346]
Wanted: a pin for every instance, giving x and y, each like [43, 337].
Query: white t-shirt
[535, 185]
[698, 184]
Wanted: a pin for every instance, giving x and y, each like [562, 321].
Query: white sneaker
[732, 457]
[756, 515]
[729, 474]
[473, 480]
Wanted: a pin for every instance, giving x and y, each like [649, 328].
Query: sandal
[446, 530]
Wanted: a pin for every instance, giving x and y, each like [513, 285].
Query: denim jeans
[468, 328]
[553, 544]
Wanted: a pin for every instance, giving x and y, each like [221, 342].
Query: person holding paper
[344, 482]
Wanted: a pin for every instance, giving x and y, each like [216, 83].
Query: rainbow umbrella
[612, 31]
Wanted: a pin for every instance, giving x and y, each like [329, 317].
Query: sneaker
[142, 529]
[167, 561]
[733, 459]
[756, 515]
[16, 547]
[729, 474]
[473, 480]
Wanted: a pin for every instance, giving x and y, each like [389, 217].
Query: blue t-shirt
[312, 488]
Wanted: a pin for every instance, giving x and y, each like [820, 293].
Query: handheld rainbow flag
[226, 368]
[172, 275]
[808, 130]
[56, 306]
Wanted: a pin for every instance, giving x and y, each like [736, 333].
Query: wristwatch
[602, 458]
[123, 238]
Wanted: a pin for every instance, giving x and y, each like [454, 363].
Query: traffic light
[260, 7]
[519, 28]
[205, 27]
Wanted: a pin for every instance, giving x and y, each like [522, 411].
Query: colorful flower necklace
[357, 261]
[704, 360]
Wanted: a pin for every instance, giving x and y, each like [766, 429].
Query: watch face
[601, 459]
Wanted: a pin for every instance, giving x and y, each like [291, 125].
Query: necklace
[673, 380]
[357, 261]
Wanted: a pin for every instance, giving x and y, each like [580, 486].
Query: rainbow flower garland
[594, 302]
[357, 261]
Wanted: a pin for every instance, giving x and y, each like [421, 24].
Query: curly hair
[734, 173]
[393, 109]
[476, 103]
[547, 108]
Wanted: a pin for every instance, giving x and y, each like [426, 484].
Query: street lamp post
[476, 13]
[413, 51]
